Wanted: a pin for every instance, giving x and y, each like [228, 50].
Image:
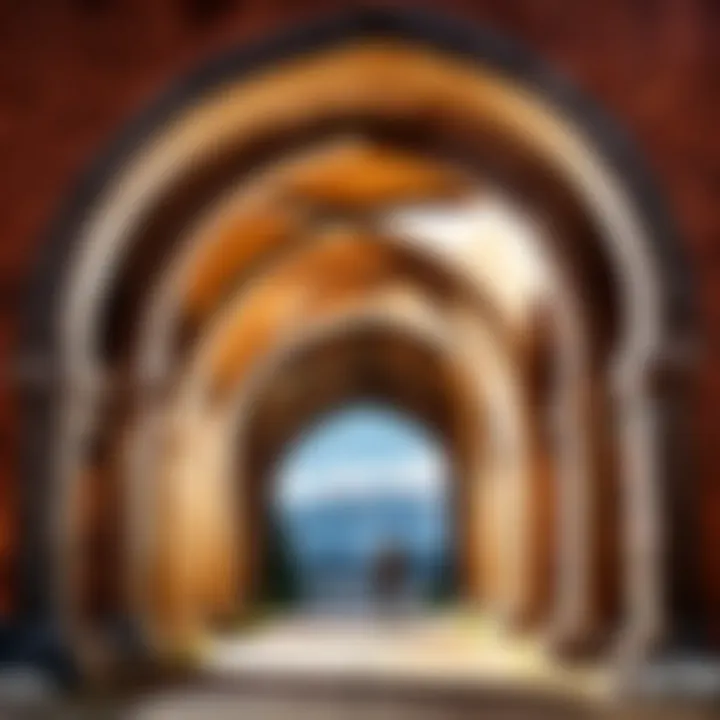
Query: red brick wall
[72, 71]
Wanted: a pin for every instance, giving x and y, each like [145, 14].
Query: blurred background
[360, 514]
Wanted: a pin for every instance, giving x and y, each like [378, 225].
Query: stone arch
[396, 327]
[387, 304]
[645, 254]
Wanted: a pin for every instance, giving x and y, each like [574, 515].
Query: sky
[362, 451]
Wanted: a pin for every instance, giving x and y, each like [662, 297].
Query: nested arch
[396, 313]
[633, 237]
[410, 365]
[393, 366]
[394, 269]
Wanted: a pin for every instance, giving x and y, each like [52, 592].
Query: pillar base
[576, 640]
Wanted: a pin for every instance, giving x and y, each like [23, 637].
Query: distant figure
[390, 576]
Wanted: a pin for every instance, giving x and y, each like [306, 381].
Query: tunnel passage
[475, 171]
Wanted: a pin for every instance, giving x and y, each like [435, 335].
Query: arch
[647, 259]
[432, 335]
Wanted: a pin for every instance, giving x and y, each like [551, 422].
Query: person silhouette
[390, 576]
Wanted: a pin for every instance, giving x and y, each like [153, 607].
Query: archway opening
[360, 516]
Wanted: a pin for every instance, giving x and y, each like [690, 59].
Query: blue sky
[363, 449]
[360, 478]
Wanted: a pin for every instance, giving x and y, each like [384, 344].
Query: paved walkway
[453, 666]
[450, 649]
